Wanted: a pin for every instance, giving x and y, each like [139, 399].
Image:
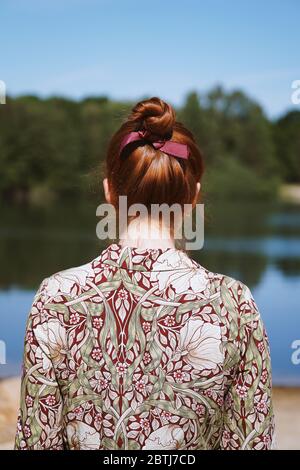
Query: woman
[143, 348]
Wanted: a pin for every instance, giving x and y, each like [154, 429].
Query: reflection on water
[257, 244]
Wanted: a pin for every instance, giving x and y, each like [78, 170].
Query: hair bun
[155, 116]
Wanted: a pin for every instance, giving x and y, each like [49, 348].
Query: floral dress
[145, 349]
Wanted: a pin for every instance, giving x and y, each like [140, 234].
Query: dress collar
[143, 259]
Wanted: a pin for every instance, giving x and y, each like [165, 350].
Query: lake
[258, 244]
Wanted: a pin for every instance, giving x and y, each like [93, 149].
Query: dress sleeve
[248, 417]
[40, 414]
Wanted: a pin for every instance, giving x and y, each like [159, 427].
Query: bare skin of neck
[143, 233]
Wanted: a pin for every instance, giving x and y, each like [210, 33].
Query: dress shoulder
[68, 282]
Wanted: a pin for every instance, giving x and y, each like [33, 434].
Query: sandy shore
[290, 193]
[286, 404]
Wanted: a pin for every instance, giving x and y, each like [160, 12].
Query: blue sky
[131, 49]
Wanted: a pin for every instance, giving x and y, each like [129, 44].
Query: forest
[54, 149]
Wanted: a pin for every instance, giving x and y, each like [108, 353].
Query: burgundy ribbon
[175, 149]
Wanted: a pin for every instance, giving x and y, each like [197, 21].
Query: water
[260, 245]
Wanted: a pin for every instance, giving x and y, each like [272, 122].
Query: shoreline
[290, 193]
[286, 408]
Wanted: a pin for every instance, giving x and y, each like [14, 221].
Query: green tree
[287, 139]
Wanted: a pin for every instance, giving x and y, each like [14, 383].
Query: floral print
[200, 344]
[145, 349]
[82, 437]
[165, 438]
[66, 280]
[189, 277]
[51, 337]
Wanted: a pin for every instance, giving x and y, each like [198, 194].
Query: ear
[106, 190]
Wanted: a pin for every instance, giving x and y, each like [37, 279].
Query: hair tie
[174, 149]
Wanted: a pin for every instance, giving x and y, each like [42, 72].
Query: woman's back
[145, 349]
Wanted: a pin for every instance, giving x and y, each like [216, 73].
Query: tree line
[54, 149]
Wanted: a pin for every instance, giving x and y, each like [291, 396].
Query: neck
[146, 234]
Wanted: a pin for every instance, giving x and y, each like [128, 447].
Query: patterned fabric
[145, 349]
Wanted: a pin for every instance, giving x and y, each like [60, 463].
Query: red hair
[146, 175]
